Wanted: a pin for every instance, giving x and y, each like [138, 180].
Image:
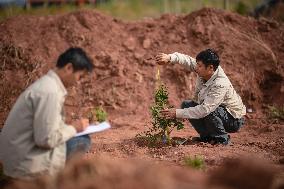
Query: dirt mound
[107, 173]
[251, 53]
[245, 173]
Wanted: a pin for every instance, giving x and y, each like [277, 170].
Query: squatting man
[216, 109]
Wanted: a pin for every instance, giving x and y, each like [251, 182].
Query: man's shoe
[222, 141]
[196, 139]
[201, 139]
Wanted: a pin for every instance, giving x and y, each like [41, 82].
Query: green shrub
[241, 8]
[197, 162]
[276, 112]
[161, 127]
[97, 114]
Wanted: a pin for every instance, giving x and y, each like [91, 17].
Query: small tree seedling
[97, 114]
[161, 127]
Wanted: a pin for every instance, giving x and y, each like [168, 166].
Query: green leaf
[161, 126]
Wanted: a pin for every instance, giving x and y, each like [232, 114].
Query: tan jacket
[32, 141]
[218, 90]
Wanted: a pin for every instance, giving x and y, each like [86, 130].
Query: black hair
[208, 57]
[77, 57]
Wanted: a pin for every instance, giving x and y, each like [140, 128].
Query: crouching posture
[216, 108]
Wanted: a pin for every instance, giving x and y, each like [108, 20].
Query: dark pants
[216, 125]
[80, 144]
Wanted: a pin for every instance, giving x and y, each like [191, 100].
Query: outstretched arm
[214, 98]
[187, 61]
[212, 101]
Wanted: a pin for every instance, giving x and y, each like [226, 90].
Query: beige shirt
[217, 91]
[33, 139]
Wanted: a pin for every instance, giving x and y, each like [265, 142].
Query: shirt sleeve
[49, 128]
[213, 99]
[185, 60]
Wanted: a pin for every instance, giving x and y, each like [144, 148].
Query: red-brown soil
[106, 172]
[123, 82]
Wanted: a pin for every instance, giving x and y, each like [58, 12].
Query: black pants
[216, 125]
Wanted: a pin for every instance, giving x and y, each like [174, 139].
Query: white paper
[95, 128]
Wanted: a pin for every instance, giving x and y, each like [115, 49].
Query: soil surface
[123, 81]
[105, 172]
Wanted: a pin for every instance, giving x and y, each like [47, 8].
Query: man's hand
[81, 124]
[162, 58]
[169, 113]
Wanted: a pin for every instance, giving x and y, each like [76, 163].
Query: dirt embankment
[251, 53]
[123, 82]
[107, 173]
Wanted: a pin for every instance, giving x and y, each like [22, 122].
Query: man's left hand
[169, 113]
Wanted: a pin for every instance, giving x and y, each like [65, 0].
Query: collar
[53, 74]
[213, 77]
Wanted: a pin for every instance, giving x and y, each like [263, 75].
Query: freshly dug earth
[123, 81]
[105, 172]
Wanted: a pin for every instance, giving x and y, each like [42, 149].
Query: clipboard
[95, 128]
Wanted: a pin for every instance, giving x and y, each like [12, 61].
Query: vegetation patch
[276, 112]
[97, 114]
[196, 162]
[159, 134]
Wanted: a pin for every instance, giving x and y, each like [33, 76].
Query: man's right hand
[163, 58]
[80, 124]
